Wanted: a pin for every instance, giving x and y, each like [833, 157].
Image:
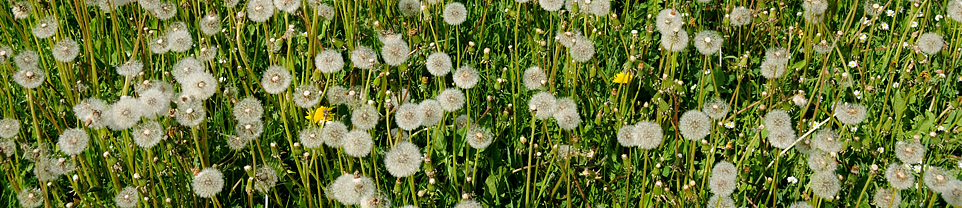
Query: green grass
[908, 95]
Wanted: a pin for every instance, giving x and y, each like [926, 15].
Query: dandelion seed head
[364, 117]
[778, 119]
[208, 182]
[312, 137]
[551, 5]
[543, 105]
[395, 53]
[781, 137]
[265, 179]
[740, 16]
[179, 41]
[708, 42]
[669, 20]
[827, 140]
[30, 197]
[403, 160]
[357, 143]
[334, 134]
[909, 152]
[886, 198]
[207, 53]
[8, 147]
[938, 179]
[276, 79]
[249, 130]
[954, 195]
[455, 13]
[329, 61]
[466, 77]
[210, 24]
[260, 10]
[899, 176]
[649, 135]
[568, 39]
[628, 136]
[674, 41]
[127, 197]
[325, 11]
[800, 204]
[375, 200]
[954, 11]
[599, 7]
[408, 116]
[130, 68]
[439, 64]
[5, 53]
[825, 185]
[289, 6]
[349, 188]
[363, 57]
[9, 128]
[930, 43]
[432, 112]
[850, 113]
[200, 85]
[159, 45]
[190, 114]
[165, 10]
[306, 96]
[125, 113]
[694, 125]
[533, 77]
[29, 77]
[820, 161]
[451, 99]
[185, 67]
[147, 134]
[715, 108]
[73, 141]
[65, 50]
[409, 8]
[567, 119]
[582, 50]
[248, 109]
[27, 59]
[479, 137]
[815, 6]
[21, 10]
[90, 111]
[46, 27]
[723, 179]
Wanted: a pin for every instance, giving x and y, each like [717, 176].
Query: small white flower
[940, 128]
[959, 79]
[914, 23]
[884, 26]
[858, 94]
[895, 85]
[862, 37]
[853, 129]
[798, 14]
[792, 179]
[917, 168]
[730, 124]
[905, 44]
[938, 17]
[882, 150]
[706, 71]
[889, 12]
[852, 64]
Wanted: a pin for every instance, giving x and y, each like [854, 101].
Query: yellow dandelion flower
[622, 78]
[322, 113]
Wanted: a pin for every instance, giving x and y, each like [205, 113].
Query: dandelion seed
[159, 45]
[210, 24]
[127, 197]
[276, 79]
[628, 136]
[65, 50]
[357, 143]
[432, 112]
[403, 160]
[452, 99]
[364, 117]
[820, 161]
[438, 64]
[248, 109]
[694, 125]
[265, 179]
[721, 201]
[165, 10]
[208, 182]
[29, 77]
[825, 185]
[909, 152]
[306, 96]
[715, 109]
[395, 53]
[30, 197]
[899, 176]
[311, 137]
[350, 188]
[455, 13]
[740, 16]
[708, 42]
[46, 27]
[465, 77]
[190, 114]
[73, 141]
[260, 10]
[542, 105]
[850, 113]
[668, 21]
[408, 116]
[674, 41]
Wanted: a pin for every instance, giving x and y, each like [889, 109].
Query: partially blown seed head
[265, 179]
